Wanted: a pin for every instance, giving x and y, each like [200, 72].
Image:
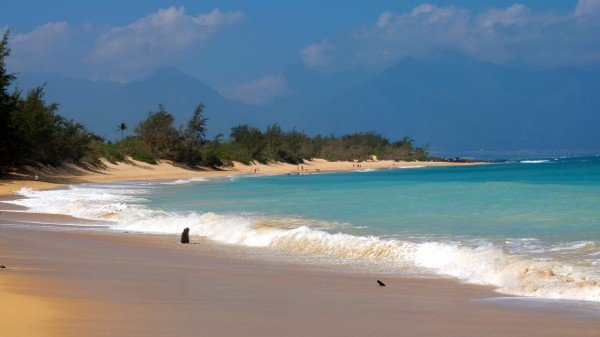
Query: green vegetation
[33, 133]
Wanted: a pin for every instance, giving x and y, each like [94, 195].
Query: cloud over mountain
[514, 34]
[257, 92]
[158, 37]
[33, 49]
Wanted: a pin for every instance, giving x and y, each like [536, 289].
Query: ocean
[527, 227]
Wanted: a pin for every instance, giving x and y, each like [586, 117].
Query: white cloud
[165, 36]
[421, 9]
[514, 34]
[317, 55]
[43, 37]
[257, 92]
[513, 15]
[425, 28]
[587, 7]
[32, 50]
[158, 37]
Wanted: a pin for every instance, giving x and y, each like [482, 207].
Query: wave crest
[541, 161]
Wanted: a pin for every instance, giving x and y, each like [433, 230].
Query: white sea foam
[365, 170]
[517, 267]
[185, 181]
[541, 161]
[573, 246]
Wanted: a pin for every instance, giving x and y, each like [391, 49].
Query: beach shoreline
[94, 283]
[63, 279]
[165, 170]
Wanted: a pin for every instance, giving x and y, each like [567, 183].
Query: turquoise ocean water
[555, 200]
[529, 227]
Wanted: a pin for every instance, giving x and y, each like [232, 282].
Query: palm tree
[122, 127]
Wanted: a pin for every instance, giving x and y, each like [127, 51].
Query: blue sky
[245, 46]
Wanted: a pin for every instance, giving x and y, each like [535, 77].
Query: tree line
[32, 132]
[157, 138]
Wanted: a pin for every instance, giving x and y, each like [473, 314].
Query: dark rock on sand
[185, 236]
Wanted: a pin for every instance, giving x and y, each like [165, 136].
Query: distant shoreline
[166, 170]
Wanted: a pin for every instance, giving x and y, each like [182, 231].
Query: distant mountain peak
[169, 77]
[170, 72]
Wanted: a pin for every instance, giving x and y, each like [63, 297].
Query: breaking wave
[411, 166]
[541, 161]
[365, 170]
[186, 181]
[525, 267]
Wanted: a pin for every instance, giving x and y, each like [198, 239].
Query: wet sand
[86, 283]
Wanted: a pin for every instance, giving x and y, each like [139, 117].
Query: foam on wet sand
[146, 285]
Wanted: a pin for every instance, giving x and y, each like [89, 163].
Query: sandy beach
[73, 281]
[300, 169]
[134, 170]
[82, 283]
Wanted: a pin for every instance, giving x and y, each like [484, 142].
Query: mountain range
[457, 105]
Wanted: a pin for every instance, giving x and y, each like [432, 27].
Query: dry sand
[84, 283]
[25, 315]
[134, 170]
